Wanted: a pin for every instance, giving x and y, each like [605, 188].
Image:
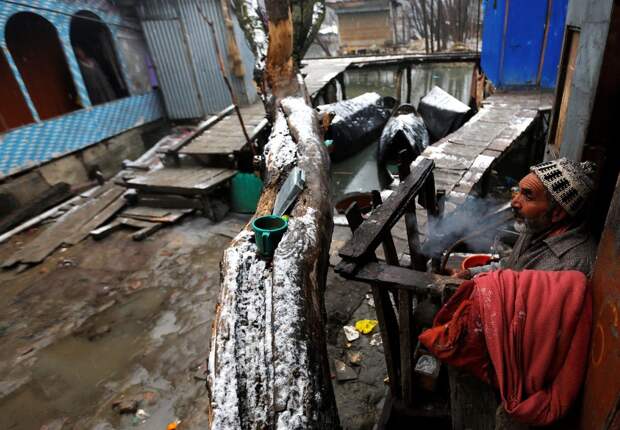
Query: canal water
[360, 172]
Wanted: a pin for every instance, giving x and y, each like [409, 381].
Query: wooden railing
[394, 286]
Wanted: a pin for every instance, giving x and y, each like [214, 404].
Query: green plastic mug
[268, 230]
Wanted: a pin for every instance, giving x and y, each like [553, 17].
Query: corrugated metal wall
[522, 40]
[182, 45]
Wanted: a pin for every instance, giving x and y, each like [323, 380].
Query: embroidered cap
[569, 182]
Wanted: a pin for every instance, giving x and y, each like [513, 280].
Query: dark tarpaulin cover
[356, 122]
[404, 130]
[442, 113]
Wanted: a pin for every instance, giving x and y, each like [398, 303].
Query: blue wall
[42, 141]
[513, 40]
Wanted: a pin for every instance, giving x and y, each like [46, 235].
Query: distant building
[72, 73]
[364, 25]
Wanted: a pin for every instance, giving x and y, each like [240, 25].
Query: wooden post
[418, 261]
[399, 85]
[408, 84]
[388, 324]
[340, 78]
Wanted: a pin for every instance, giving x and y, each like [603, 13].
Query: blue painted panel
[523, 44]
[512, 43]
[34, 144]
[492, 29]
[554, 43]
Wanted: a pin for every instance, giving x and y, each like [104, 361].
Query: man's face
[531, 205]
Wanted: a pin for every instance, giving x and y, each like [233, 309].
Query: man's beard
[533, 225]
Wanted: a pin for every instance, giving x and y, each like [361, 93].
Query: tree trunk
[268, 366]
[425, 25]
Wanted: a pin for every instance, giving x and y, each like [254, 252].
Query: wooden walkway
[463, 157]
[226, 136]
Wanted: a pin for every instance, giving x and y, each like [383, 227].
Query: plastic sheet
[356, 122]
[442, 113]
[404, 130]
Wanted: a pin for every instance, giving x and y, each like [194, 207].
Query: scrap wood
[67, 227]
[142, 213]
[80, 233]
[165, 201]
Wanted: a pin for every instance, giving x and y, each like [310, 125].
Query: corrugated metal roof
[183, 49]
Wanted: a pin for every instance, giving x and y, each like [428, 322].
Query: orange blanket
[525, 332]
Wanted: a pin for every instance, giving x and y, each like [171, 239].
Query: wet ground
[110, 321]
[122, 326]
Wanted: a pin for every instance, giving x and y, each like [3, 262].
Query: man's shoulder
[575, 249]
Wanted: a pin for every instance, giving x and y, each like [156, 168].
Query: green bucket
[245, 192]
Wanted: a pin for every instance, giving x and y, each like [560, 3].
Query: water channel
[360, 173]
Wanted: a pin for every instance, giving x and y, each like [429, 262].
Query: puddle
[69, 377]
[167, 324]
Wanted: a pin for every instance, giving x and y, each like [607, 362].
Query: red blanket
[525, 332]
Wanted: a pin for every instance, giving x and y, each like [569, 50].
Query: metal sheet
[492, 29]
[185, 57]
[554, 43]
[513, 38]
[523, 43]
[174, 72]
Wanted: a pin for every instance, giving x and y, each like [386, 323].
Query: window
[96, 55]
[13, 108]
[37, 52]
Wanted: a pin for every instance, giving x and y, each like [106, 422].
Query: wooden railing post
[388, 325]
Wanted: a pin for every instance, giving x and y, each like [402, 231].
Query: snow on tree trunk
[268, 363]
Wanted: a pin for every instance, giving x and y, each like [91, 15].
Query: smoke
[475, 222]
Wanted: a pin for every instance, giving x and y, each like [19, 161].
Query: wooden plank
[56, 234]
[204, 126]
[223, 141]
[185, 181]
[472, 402]
[405, 322]
[80, 233]
[168, 201]
[366, 239]
[389, 249]
[143, 213]
[401, 277]
[388, 325]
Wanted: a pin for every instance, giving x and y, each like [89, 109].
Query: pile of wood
[179, 188]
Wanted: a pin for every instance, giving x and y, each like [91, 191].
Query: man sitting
[549, 210]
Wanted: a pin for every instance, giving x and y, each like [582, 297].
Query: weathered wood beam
[366, 239]
[268, 366]
[388, 276]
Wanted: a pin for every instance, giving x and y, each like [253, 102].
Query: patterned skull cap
[569, 182]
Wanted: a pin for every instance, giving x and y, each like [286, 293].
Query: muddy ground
[122, 326]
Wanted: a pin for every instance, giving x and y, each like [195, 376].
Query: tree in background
[440, 22]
